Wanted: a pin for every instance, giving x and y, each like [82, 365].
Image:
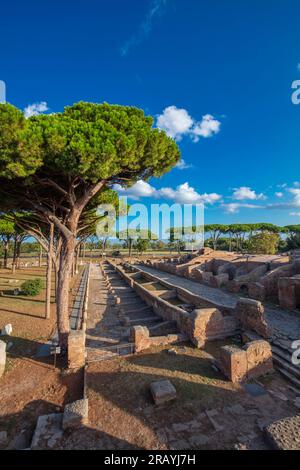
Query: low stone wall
[140, 336]
[254, 360]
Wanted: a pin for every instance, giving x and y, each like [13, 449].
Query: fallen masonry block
[48, 431]
[162, 391]
[75, 414]
[2, 357]
[233, 363]
[140, 336]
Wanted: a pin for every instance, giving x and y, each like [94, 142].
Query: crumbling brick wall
[289, 292]
[250, 314]
[251, 361]
[208, 324]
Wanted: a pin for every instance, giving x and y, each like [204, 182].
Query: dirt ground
[30, 386]
[209, 412]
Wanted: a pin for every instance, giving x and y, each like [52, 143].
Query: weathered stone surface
[207, 324]
[289, 292]
[3, 438]
[233, 363]
[75, 414]
[162, 391]
[48, 431]
[285, 433]
[2, 357]
[256, 291]
[140, 336]
[259, 358]
[240, 364]
[76, 349]
[207, 276]
[250, 314]
[219, 280]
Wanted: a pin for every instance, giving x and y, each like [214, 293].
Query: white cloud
[35, 109]
[139, 189]
[206, 128]
[234, 207]
[182, 165]
[155, 11]
[182, 194]
[244, 192]
[279, 194]
[186, 194]
[295, 214]
[296, 194]
[177, 123]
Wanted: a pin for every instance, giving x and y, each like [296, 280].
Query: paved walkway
[285, 325]
[210, 294]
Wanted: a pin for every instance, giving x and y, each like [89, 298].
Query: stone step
[289, 376]
[290, 368]
[142, 321]
[283, 353]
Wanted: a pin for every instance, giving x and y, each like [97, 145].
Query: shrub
[264, 243]
[32, 287]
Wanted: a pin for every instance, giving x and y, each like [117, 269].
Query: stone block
[250, 314]
[140, 336]
[76, 349]
[233, 363]
[162, 391]
[48, 431]
[75, 414]
[259, 358]
[2, 357]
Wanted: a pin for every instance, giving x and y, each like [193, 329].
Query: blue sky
[216, 75]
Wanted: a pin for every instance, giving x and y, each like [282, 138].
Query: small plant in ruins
[32, 287]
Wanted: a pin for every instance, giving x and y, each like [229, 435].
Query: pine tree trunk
[49, 273]
[14, 262]
[5, 258]
[18, 257]
[63, 284]
[40, 256]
